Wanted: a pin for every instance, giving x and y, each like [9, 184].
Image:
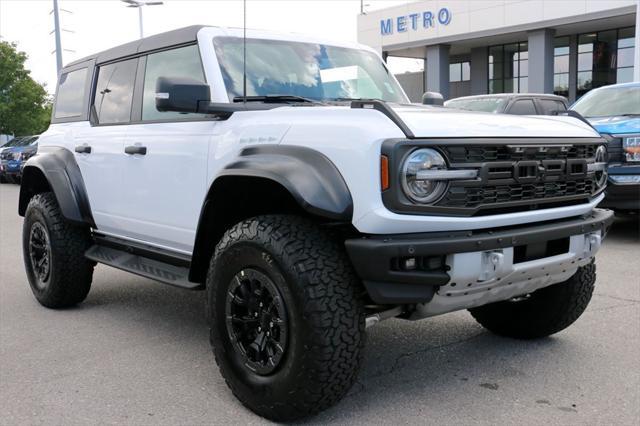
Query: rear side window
[70, 97]
[182, 62]
[549, 106]
[114, 92]
[523, 107]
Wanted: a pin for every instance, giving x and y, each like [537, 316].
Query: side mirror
[432, 98]
[181, 94]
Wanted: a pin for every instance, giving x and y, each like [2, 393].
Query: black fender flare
[59, 168]
[311, 178]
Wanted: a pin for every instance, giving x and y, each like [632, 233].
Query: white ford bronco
[292, 181]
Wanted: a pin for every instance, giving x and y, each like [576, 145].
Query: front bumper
[622, 196]
[472, 261]
[10, 167]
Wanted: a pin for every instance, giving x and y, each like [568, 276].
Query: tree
[25, 108]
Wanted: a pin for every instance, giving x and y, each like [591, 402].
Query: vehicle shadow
[405, 363]
[626, 228]
[436, 361]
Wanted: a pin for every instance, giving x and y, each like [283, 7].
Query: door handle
[83, 149]
[135, 149]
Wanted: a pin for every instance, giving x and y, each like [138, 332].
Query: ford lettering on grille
[529, 171]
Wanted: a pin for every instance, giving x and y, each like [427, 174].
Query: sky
[90, 26]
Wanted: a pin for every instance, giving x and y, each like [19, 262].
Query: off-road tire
[547, 311]
[325, 315]
[70, 273]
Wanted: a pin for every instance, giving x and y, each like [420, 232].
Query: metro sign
[413, 21]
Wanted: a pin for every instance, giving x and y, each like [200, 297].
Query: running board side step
[176, 276]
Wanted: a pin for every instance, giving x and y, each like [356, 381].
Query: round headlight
[417, 188]
[601, 157]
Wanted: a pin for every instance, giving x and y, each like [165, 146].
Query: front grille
[518, 177]
[473, 197]
[616, 153]
[479, 154]
[513, 174]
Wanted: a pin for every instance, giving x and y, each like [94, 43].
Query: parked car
[28, 152]
[12, 156]
[615, 112]
[511, 103]
[306, 210]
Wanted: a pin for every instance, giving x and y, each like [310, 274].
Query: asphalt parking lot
[137, 352]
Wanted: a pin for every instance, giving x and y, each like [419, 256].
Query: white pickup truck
[291, 179]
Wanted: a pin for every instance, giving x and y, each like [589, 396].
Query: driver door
[164, 168]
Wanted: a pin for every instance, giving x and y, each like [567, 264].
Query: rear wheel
[53, 252]
[543, 312]
[287, 323]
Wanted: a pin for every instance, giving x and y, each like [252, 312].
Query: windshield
[610, 101]
[18, 141]
[314, 71]
[481, 104]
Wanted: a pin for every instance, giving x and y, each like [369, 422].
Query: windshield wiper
[276, 99]
[352, 99]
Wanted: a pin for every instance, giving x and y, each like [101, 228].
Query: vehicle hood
[447, 122]
[616, 125]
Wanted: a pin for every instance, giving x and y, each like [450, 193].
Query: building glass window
[509, 68]
[626, 45]
[605, 57]
[561, 66]
[459, 71]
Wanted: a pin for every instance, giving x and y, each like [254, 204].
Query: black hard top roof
[158, 41]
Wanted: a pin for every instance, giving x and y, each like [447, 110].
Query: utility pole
[139, 4]
[362, 5]
[636, 61]
[56, 30]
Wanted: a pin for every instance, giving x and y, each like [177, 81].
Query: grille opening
[419, 263]
[578, 168]
[500, 172]
[529, 171]
[527, 252]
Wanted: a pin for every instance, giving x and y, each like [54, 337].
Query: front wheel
[53, 251]
[286, 319]
[543, 312]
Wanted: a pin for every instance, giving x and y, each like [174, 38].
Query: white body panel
[157, 198]
[163, 190]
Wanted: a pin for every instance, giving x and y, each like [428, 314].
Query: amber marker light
[384, 172]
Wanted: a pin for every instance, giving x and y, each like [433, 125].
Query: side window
[114, 91]
[549, 106]
[70, 97]
[181, 62]
[523, 107]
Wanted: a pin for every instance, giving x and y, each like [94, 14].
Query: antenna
[244, 52]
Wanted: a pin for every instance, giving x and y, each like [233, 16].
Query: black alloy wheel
[256, 321]
[40, 253]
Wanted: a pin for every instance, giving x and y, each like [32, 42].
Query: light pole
[138, 4]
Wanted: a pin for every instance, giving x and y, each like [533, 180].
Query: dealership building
[472, 47]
